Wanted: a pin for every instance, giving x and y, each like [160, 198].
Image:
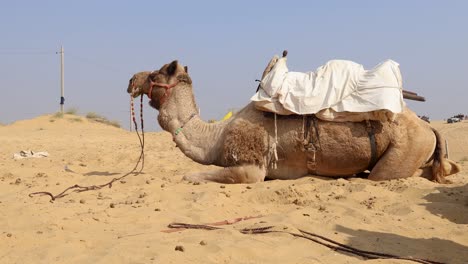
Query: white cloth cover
[338, 86]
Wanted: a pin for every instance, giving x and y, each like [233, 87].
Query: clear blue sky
[226, 45]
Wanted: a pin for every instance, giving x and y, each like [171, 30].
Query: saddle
[309, 138]
[339, 91]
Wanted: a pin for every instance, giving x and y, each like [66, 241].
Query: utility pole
[62, 80]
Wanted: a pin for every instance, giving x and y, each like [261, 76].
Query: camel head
[168, 74]
[166, 78]
[136, 83]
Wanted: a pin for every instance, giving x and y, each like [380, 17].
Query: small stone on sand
[179, 248]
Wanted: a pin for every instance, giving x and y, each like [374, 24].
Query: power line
[111, 68]
[24, 52]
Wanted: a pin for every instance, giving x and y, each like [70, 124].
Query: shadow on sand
[434, 249]
[100, 173]
[450, 203]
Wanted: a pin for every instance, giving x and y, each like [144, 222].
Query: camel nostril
[135, 92]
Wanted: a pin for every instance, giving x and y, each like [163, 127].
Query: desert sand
[410, 217]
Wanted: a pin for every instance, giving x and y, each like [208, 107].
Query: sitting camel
[253, 145]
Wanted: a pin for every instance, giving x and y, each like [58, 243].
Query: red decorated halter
[161, 85]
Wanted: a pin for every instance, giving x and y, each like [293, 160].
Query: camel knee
[229, 175]
[245, 174]
[386, 169]
[425, 172]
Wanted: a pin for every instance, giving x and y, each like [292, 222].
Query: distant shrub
[101, 119]
[71, 111]
[114, 123]
[76, 119]
[92, 115]
[58, 115]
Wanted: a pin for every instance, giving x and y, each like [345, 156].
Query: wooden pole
[446, 149]
[412, 96]
[409, 92]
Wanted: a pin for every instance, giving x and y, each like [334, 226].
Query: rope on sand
[324, 241]
[141, 159]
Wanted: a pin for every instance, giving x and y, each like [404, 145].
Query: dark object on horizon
[425, 118]
[456, 118]
[453, 120]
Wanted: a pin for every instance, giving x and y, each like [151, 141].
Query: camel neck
[196, 138]
[179, 108]
[200, 140]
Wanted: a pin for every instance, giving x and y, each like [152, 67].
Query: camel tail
[438, 174]
[441, 166]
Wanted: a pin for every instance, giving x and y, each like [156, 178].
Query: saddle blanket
[336, 90]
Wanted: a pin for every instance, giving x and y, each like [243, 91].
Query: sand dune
[410, 217]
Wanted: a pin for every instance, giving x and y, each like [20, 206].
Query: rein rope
[141, 160]
[324, 241]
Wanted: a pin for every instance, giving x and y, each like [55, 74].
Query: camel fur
[243, 144]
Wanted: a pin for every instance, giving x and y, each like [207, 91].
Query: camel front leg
[238, 174]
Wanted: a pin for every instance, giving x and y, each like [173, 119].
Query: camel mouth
[135, 92]
[136, 84]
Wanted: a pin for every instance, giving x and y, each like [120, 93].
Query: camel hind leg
[237, 174]
[440, 166]
[394, 164]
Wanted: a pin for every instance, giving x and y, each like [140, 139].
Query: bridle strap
[373, 144]
[168, 87]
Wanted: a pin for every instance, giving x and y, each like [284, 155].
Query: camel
[251, 148]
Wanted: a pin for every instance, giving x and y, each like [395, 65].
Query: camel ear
[171, 69]
[186, 69]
